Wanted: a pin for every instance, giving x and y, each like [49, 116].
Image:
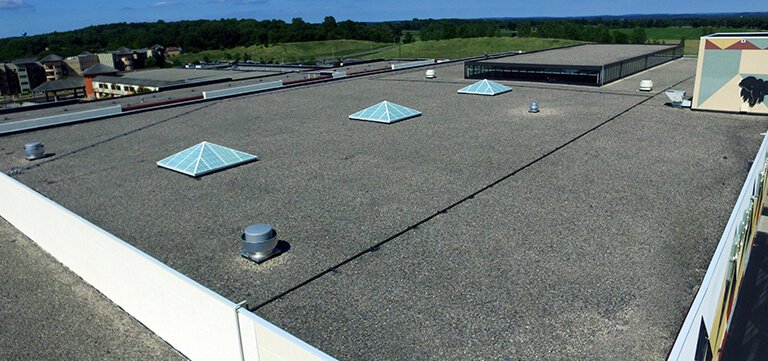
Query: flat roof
[587, 54]
[50, 313]
[498, 232]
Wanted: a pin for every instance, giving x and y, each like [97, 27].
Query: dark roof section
[122, 51]
[74, 82]
[99, 68]
[27, 60]
[51, 58]
[85, 53]
[589, 54]
[136, 81]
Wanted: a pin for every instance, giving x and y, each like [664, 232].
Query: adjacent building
[79, 63]
[9, 81]
[29, 72]
[108, 86]
[92, 72]
[54, 67]
[173, 51]
[732, 73]
[124, 59]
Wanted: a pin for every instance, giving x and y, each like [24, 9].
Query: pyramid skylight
[385, 112]
[205, 158]
[485, 87]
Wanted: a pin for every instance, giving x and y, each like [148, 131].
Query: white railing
[198, 322]
[727, 264]
[64, 118]
[247, 89]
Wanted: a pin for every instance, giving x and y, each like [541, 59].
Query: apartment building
[79, 63]
[54, 67]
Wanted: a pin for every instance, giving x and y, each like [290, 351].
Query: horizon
[34, 17]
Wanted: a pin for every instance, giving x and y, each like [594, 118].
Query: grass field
[687, 32]
[290, 52]
[331, 49]
[460, 48]
[673, 34]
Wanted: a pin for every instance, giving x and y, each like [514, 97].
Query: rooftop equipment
[430, 74]
[385, 112]
[533, 108]
[259, 242]
[485, 87]
[646, 85]
[205, 158]
[677, 98]
[34, 150]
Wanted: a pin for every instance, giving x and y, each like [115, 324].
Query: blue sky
[43, 16]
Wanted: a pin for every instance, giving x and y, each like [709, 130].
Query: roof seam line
[377, 245]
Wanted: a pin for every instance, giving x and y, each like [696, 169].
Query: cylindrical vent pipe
[34, 150]
[646, 85]
[259, 241]
[533, 108]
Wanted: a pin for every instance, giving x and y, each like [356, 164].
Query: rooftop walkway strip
[444, 210]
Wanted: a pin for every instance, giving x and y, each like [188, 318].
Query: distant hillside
[208, 35]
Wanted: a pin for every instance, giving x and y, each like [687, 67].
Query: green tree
[524, 29]
[638, 36]
[620, 38]
[407, 37]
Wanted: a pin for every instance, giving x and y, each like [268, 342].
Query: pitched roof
[204, 158]
[99, 68]
[136, 81]
[385, 112]
[123, 50]
[485, 87]
[51, 58]
[73, 82]
[85, 53]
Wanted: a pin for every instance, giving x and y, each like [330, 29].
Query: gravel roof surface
[49, 313]
[582, 230]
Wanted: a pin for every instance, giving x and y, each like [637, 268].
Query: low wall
[412, 64]
[196, 321]
[213, 94]
[705, 327]
[17, 126]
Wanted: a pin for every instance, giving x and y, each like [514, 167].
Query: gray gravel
[49, 313]
[591, 248]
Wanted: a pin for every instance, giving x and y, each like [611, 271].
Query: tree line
[198, 35]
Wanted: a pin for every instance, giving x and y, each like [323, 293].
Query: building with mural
[732, 73]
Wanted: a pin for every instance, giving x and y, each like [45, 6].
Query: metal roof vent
[34, 150]
[533, 108]
[259, 242]
[430, 74]
[677, 98]
[646, 85]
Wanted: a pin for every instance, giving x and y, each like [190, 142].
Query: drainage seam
[414, 226]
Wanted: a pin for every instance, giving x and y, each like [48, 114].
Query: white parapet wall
[198, 322]
[242, 90]
[27, 124]
[706, 324]
[412, 64]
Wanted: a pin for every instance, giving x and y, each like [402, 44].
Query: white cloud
[160, 4]
[12, 4]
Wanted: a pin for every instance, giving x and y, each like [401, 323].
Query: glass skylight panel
[485, 87]
[385, 112]
[205, 158]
